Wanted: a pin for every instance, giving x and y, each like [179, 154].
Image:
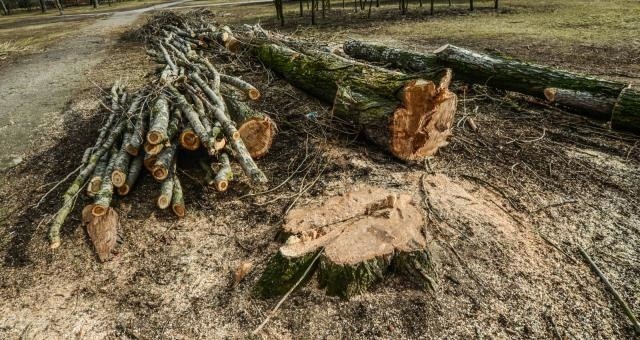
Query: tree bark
[626, 112]
[426, 64]
[160, 113]
[580, 101]
[224, 174]
[134, 172]
[177, 198]
[43, 6]
[409, 117]
[586, 95]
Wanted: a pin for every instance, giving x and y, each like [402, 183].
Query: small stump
[364, 235]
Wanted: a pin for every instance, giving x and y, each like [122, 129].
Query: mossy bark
[281, 273]
[160, 112]
[177, 198]
[424, 63]
[69, 196]
[373, 99]
[626, 112]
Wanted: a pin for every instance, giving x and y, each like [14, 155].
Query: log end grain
[423, 123]
[189, 140]
[118, 178]
[258, 135]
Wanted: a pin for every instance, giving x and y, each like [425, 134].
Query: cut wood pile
[187, 105]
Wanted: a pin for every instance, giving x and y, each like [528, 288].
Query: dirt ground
[507, 206]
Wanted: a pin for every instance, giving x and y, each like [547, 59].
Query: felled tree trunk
[626, 112]
[363, 236]
[397, 58]
[584, 95]
[409, 117]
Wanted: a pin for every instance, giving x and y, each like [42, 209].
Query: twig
[627, 311]
[55, 186]
[275, 309]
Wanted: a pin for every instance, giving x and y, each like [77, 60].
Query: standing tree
[95, 3]
[5, 11]
[43, 6]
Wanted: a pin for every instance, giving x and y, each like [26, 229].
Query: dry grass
[35, 38]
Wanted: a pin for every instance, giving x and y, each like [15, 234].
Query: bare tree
[43, 6]
[4, 8]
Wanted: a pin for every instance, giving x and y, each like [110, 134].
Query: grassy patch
[34, 38]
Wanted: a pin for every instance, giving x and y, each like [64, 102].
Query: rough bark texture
[177, 198]
[134, 172]
[105, 194]
[396, 58]
[256, 129]
[513, 75]
[69, 196]
[160, 112]
[626, 112]
[241, 85]
[580, 101]
[410, 118]
[121, 164]
[163, 164]
[96, 179]
[166, 190]
[363, 235]
[225, 174]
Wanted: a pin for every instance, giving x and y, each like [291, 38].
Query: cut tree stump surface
[364, 235]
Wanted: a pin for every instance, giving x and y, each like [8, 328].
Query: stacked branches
[188, 105]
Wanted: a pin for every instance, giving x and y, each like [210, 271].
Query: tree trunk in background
[495, 4]
[471, 5]
[4, 8]
[59, 6]
[95, 3]
[43, 6]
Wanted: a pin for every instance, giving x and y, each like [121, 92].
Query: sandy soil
[506, 208]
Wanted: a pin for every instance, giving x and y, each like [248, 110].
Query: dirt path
[34, 91]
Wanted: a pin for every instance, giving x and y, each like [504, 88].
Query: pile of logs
[187, 105]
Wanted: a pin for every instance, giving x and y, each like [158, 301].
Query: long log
[581, 94]
[397, 58]
[411, 118]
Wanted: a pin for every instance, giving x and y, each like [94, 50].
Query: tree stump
[363, 235]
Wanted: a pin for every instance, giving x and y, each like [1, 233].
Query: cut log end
[422, 124]
[149, 162]
[155, 137]
[257, 135]
[118, 178]
[163, 201]
[550, 94]
[132, 150]
[219, 143]
[222, 185]
[179, 210]
[189, 140]
[94, 185]
[160, 173]
[153, 149]
[98, 210]
[123, 190]
[254, 94]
